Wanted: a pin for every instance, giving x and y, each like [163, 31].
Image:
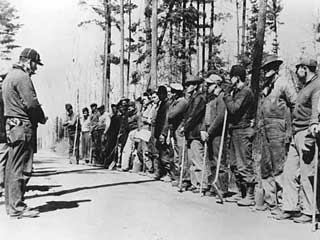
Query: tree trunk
[184, 57]
[170, 52]
[238, 32]
[274, 5]
[243, 42]
[106, 65]
[203, 36]
[258, 49]
[129, 51]
[121, 50]
[197, 39]
[165, 25]
[148, 41]
[154, 80]
[210, 57]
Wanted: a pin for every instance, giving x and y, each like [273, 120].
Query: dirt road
[80, 202]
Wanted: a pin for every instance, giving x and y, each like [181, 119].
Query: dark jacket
[194, 116]
[19, 97]
[240, 107]
[3, 138]
[161, 119]
[72, 123]
[176, 112]
[94, 120]
[305, 112]
[214, 117]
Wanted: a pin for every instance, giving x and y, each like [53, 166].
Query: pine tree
[8, 29]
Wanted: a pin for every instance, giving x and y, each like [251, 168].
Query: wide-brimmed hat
[214, 79]
[176, 86]
[310, 62]
[123, 101]
[271, 61]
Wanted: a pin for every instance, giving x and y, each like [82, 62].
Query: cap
[213, 79]
[176, 86]
[193, 80]
[31, 54]
[92, 105]
[310, 62]
[271, 61]
[102, 107]
[68, 106]
[123, 101]
[238, 70]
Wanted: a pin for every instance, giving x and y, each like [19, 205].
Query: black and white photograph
[159, 119]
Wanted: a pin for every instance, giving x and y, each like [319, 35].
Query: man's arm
[178, 109]
[314, 103]
[195, 116]
[217, 124]
[29, 98]
[234, 105]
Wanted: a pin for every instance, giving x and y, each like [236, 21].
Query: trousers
[241, 160]
[19, 165]
[297, 178]
[4, 148]
[196, 158]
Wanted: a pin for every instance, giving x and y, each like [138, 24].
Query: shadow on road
[53, 172]
[62, 192]
[41, 188]
[73, 190]
[56, 205]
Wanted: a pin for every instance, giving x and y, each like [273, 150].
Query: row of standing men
[153, 133]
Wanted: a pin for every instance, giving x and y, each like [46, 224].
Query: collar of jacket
[311, 80]
[197, 93]
[18, 66]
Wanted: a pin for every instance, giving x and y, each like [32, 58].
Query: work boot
[303, 219]
[249, 199]
[234, 198]
[286, 215]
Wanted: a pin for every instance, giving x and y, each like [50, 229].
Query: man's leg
[273, 159]
[243, 146]
[71, 145]
[222, 182]
[18, 173]
[127, 150]
[290, 183]
[307, 172]
[197, 159]
[3, 160]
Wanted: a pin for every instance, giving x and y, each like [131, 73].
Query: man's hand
[162, 139]
[204, 136]
[314, 129]
[181, 130]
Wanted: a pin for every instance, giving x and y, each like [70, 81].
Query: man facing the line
[23, 112]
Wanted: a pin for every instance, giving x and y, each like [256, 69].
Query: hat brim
[196, 82]
[273, 62]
